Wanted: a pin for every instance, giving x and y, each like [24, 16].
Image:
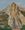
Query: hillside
[14, 14]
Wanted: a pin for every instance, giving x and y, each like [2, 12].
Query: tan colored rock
[12, 11]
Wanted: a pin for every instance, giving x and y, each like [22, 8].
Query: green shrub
[23, 27]
[6, 28]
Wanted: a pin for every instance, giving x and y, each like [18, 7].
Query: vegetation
[6, 28]
[23, 27]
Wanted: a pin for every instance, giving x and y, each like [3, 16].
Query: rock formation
[15, 18]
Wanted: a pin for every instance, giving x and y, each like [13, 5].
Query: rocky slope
[14, 11]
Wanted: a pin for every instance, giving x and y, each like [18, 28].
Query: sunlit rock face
[13, 6]
[14, 16]
[13, 10]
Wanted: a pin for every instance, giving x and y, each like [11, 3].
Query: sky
[4, 3]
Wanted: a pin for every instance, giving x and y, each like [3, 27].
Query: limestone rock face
[14, 12]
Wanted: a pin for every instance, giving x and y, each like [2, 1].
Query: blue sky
[4, 3]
